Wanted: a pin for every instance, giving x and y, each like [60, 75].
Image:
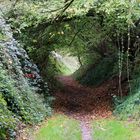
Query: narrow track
[84, 103]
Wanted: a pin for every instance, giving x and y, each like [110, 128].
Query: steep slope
[19, 84]
[130, 108]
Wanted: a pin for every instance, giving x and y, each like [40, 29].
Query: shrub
[18, 100]
[131, 106]
[7, 119]
[100, 72]
[22, 100]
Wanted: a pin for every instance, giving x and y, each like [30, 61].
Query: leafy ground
[83, 103]
[86, 114]
[77, 100]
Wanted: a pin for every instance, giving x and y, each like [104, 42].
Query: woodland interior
[69, 69]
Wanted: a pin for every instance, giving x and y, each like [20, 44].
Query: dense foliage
[114, 27]
[100, 72]
[19, 101]
[130, 108]
[18, 104]
[103, 35]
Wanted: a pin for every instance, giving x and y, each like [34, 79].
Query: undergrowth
[7, 119]
[18, 100]
[130, 108]
[2, 36]
[18, 104]
[100, 72]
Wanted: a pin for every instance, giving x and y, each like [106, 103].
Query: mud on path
[84, 103]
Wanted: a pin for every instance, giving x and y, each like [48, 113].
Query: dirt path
[84, 103]
[86, 131]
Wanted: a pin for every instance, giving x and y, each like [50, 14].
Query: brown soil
[73, 98]
[84, 103]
